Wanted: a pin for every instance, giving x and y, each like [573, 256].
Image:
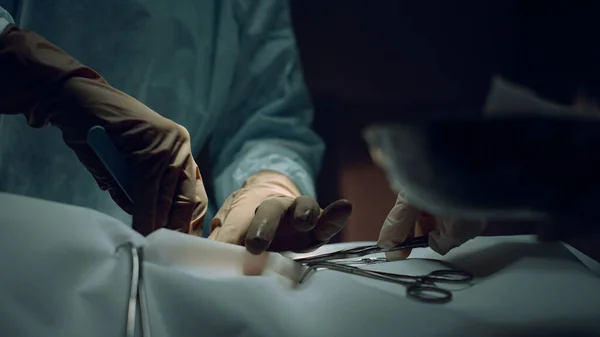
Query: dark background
[367, 61]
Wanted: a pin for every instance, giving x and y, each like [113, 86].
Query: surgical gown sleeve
[268, 123]
[5, 19]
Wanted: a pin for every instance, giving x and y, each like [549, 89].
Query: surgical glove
[405, 221]
[47, 85]
[268, 212]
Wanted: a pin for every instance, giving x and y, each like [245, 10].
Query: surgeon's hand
[405, 221]
[268, 213]
[46, 85]
[167, 188]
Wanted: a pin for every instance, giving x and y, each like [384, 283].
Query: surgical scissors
[417, 242]
[419, 287]
[363, 261]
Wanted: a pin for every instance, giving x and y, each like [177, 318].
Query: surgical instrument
[419, 287]
[417, 242]
[109, 155]
[363, 261]
[137, 293]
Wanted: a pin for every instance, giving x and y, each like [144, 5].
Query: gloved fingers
[234, 227]
[399, 223]
[441, 244]
[403, 254]
[451, 233]
[264, 224]
[185, 202]
[214, 233]
[332, 220]
[397, 255]
[201, 205]
[305, 212]
[424, 224]
[219, 218]
[460, 229]
[169, 183]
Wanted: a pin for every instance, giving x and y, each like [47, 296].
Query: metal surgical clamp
[137, 293]
[419, 287]
[417, 242]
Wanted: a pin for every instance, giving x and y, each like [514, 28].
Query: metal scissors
[417, 242]
[419, 287]
[363, 261]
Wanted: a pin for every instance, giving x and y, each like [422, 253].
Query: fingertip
[398, 255]
[384, 241]
[305, 219]
[302, 214]
[339, 209]
[389, 236]
[440, 244]
[332, 220]
[343, 205]
[213, 234]
[306, 212]
[264, 225]
[215, 223]
[256, 245]
[398, 225]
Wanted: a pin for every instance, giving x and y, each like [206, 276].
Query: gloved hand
[405, 221]
[268, 212]
[47, 85]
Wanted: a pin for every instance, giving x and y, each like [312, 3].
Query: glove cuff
[32, 72]
[274, 180]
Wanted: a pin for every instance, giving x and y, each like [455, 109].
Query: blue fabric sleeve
[268, 125]
[5, 19]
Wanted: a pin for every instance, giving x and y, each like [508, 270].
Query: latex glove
[405, 221]
[45, 84]
[268, 212]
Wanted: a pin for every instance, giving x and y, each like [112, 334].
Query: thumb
[397, 226]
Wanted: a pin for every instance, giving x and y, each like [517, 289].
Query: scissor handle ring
[428, 293]
[449, 276]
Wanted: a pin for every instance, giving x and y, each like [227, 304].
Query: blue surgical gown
[227, 70]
